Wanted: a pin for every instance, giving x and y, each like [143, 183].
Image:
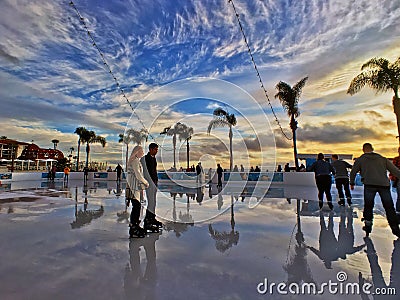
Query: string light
[256, 69]
[82, 20]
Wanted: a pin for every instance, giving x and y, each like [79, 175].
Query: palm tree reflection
[225, 240]
[186, 219]
[297, 268]
[85, 216]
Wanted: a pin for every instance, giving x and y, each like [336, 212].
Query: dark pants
[343, 183]
[387, 202]
[135, 213]
[219, 180]
[324, 183]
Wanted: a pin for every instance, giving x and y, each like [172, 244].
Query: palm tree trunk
[293, 126]
[396, 108]
[174, 142]
[230, 149]
[126, 158]
[87, 154]
[187, 152]
[296, 162]
[77, 159]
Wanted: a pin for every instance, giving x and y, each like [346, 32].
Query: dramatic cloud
[54, 79]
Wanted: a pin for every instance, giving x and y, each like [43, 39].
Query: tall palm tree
[289, 98]
[90, 137]
[186, 135]
[223, 118]
[382, 76]
[173, 131]
[132, 135]
[80, 131]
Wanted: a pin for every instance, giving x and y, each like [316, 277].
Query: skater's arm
[354, 170]
[392, 168]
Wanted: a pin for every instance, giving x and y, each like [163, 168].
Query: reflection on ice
[285, 238]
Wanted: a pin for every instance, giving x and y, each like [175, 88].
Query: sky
[177, 61]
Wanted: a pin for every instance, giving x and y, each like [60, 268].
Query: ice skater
[323, 170]
[136, 184]
[373, 168]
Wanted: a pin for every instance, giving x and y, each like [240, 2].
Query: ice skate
[150, 226]
[157, 223]
[367, 226]
[136, 231]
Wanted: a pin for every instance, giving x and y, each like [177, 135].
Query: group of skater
[373, 169]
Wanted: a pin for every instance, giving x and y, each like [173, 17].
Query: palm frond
[215, 123]
[376, 62]
[220, 112]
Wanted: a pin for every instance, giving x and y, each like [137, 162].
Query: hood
[372, 156]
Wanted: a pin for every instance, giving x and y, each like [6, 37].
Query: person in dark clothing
[219, 173]
[85, 174]
[287, 168]
[119, 170]
[149, 163]
[342, 178]
[373, 169]
[323, 170]
[396, 182]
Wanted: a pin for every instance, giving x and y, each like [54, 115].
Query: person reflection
[220, 201]
[378, 279]
[225, 240]
[137, 284]
[297, 268]
[199, 194]
[330, 248]
[118, 191]
[346, 234]
[327, 242]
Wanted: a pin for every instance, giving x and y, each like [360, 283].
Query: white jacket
[135, 179]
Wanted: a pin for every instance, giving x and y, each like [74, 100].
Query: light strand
[82, 20]
[256, 69]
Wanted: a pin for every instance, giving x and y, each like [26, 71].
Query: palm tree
[173, 131]
[186, 135]
[225, 240]
[90, 137]
[132, 135]
[289, 97]
[80, 131]
[55, 142]
[382, 76]
[222, 119]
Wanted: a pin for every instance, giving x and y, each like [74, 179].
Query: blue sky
[52, 79]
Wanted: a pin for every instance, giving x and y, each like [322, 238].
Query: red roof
[33, 152]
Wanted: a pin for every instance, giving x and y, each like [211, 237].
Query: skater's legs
[369, 196]
[339, 187]
[135, 213]
[387, 203]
